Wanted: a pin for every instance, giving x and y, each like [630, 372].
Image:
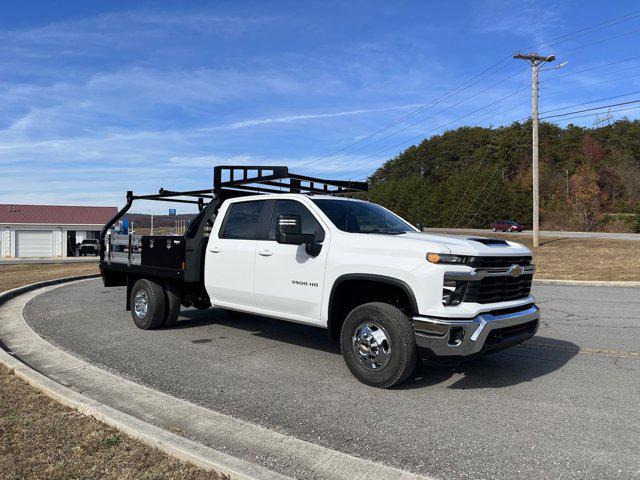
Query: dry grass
[41, 439]
[13, 276]
[585, 258]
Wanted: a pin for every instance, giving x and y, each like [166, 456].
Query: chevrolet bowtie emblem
[515, 271]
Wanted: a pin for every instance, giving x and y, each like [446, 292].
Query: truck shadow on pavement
[535, 358]
[523, 363]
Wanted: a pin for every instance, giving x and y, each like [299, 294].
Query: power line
[454, 91]
[518, 142]
[484, 200]
[591, 114]
[590, 109]
[610, 77]
[554, 41]
[586, 30]
[568, 74]
[497, 102]
[592, 101]
[603, 40]
[475, 173]
[441, 111]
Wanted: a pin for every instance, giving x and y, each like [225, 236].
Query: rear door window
[242, 220]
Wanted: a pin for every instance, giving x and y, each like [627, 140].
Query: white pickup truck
[387, 292]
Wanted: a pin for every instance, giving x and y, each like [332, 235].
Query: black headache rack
[182, 257]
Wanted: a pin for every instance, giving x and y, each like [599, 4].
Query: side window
[242, 220]
[309, 222]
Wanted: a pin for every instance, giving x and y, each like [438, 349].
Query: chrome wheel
[371, 346]
[141, 303]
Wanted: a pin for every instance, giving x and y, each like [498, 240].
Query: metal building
[48, 230]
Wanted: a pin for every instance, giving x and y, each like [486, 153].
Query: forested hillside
[589, 177]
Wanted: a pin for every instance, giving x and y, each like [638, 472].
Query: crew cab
[300, 249]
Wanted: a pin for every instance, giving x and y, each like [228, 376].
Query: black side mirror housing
[289, 232]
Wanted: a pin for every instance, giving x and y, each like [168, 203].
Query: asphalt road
[563, 407]
[546, 233]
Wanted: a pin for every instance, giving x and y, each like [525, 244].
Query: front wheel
[378, 345]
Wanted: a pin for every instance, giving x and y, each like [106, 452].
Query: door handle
[265, 253]
[215, 249]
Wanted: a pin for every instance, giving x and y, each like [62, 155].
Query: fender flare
[371, 277]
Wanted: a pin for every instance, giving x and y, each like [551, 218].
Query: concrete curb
[585, 283]
[170, 443]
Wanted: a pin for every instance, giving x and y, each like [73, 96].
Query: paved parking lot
[563, 406]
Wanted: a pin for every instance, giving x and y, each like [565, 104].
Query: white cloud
[315, 116]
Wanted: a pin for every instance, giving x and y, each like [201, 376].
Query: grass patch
[41, 439]
[564, 258]
[13, 276]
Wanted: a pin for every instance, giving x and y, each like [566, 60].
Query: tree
[586, 197]
[472, 175]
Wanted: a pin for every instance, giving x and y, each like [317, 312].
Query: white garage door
[34, 243]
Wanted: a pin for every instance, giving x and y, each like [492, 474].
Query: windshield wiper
[385, 231]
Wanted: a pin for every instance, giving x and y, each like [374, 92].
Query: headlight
[444, 258]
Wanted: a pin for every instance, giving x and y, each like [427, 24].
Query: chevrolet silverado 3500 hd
[297, 248]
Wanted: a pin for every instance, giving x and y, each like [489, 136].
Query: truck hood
[462, 245]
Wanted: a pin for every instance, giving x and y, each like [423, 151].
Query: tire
[494, 229]
[151, 296]
[202, 304]
[172, 304]
[399, 344]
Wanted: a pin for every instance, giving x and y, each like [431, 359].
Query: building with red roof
[48, 230]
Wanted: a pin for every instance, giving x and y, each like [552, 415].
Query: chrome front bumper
[450, 338]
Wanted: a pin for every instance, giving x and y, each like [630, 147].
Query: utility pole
[535, 60]
[151, 223]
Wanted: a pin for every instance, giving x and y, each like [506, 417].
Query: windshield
[362, 217]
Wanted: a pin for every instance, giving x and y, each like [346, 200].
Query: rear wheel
[172, 304]
[378, 345]
[147, 304]
[494, 229]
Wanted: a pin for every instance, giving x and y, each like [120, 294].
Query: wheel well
[348, 293]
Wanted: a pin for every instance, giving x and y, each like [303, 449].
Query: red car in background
[506, 226]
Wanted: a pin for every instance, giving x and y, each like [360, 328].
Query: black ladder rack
[235, 181]
[258, 178]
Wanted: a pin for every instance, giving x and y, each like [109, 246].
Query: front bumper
[458, 338]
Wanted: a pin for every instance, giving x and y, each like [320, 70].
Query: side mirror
[289, 231]
[419, 226]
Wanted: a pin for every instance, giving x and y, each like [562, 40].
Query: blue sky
[100, 97]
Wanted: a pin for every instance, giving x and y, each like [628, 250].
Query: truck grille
[499, 289]
[498, 262]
